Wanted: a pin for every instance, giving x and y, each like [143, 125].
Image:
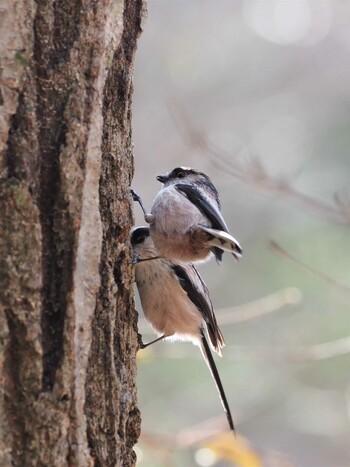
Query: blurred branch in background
[259, 308]
[309, 269]
[296, 354]
[249, 311]
[253, 172]
[210, 445]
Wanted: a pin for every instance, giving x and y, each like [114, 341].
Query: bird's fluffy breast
[168, 309]
[174, 213]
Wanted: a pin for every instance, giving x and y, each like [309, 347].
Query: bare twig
[254, 173]
[259, 308]
[248, 311]
[295, 354]
[200, 433]
[162, 446]
[301, 354]
[305, 267]
[189, 437]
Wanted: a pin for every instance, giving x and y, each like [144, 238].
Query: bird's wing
[211, 212]
[222, 241]
[192, 283]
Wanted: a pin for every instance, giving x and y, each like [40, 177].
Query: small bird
[185, 220]
[176, 302]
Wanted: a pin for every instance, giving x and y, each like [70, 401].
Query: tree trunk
[68, 330]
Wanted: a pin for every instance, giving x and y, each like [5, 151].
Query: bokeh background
[256, 94]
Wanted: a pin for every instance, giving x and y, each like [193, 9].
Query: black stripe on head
[182, 172]
[202, 180]
[139, 235]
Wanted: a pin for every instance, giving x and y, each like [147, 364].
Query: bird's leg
[137, 198]
[143, 346]
[137, 260]
[148, 216]
[148, 259]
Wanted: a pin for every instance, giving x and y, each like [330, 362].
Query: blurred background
[256, 94]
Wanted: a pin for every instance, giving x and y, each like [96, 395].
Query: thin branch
[295, 354]
[200, 433]
[255, 174]
[248, 311]
[298, 354]
[163, 447]
[259, 308]
[309, 269]
[189, 437]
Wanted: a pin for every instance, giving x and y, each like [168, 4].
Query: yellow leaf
[235, 449]
[144, 355]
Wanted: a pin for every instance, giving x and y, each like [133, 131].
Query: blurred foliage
[243, 88]
[235, 450]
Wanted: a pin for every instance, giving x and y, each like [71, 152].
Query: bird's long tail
[209, 360]
[223, 241]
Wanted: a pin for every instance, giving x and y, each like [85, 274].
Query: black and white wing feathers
[197, 291]
[192, 283]
[218, 235]
[209, 210]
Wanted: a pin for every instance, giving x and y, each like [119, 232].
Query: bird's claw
[134, 195]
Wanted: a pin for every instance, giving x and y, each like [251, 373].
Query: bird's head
[142, 244]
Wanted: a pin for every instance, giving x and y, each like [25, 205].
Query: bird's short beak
[162, 178]
[135, 258]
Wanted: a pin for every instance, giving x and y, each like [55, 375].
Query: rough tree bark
[68, 332]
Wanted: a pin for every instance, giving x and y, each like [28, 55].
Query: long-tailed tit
[185, 221]
[176, 302]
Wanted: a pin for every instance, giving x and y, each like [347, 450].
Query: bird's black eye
[180, 175]
[140, 239]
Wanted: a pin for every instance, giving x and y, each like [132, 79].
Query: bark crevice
[14, 399]
[54, 86]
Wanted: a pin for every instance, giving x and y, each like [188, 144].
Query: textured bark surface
[68, 333]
